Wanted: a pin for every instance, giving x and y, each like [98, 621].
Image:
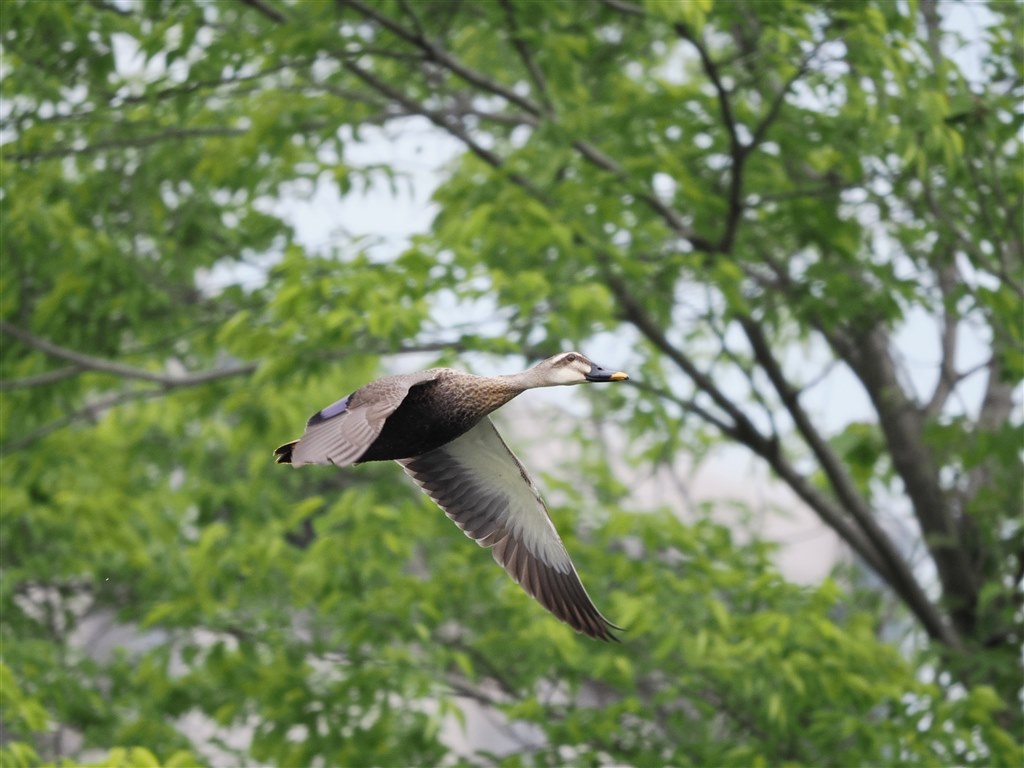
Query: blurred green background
[797, 226]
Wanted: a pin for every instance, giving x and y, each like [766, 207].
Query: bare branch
[41, 379]
[591, 153]
[173, 134]
[271, 13]
[668, 214]
[900, 576]
[711, 70]
[91, 411]
[868, 354]
[947, 276]
[688, 406]
[441, 120]
[529, 63]
[88, 362]
[745, 433]
[443, 58]
[625, 7]
[737, 151]
[780, 98]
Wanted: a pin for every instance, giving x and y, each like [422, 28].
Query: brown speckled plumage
[434, 423]
[435, 412]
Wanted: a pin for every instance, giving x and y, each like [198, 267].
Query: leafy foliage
[723, 189]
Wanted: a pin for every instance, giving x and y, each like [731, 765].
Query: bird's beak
[597, 373]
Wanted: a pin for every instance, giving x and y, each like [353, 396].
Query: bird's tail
[284, 453]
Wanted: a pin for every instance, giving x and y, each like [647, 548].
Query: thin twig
[271, 13]
[173, 134]
[443, 58]
[529, 63]
[737, 150]
[41, 379]
[100, 365]
[442, 120]
[93, 411]
[776, 105]
[625, 7]
[948, 278]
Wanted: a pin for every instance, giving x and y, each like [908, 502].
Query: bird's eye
[571, 358]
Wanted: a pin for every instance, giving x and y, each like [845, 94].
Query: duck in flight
[435, 424]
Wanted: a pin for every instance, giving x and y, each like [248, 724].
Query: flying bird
[435, 424]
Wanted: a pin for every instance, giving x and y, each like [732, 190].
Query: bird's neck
[488, 393]
[514, 384]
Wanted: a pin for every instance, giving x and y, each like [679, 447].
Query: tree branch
[688, 406]
[99, 365]
[173, 134]
[529, 63]
[41, 379]
[737, 151]
[746, 367]
[996, 408]
[591, 153]
[948, 378]
[744, 432]
[898, 573]
[271, 13]
[711, 70]
[91, 411]
[668, 214]
[166, 382]
[441, 120]
[868, 356]
[115, 100]
[443, 58]
[637, 316]
[623, 6]
[780, 98]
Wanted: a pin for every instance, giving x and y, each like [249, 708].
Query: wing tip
[599, 628]
[283, 453]
[595, 625]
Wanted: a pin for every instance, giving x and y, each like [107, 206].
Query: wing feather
[343, 431]
[484, 488]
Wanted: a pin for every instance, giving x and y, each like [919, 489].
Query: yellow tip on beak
[618, 376]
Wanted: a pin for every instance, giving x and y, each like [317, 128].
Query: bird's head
[573, 368]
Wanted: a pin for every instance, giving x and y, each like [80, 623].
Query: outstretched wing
[342, 432]
[484, 488]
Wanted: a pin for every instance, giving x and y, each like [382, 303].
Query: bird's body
[434, 423]
[435, 412]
